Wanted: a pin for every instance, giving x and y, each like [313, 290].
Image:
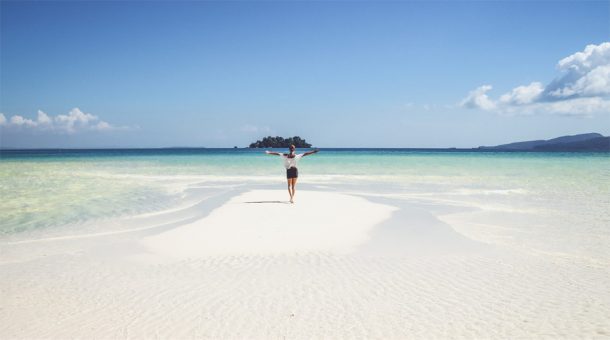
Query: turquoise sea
[553, 202]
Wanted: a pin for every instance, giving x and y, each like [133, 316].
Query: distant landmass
[582, 142]
[280, 142]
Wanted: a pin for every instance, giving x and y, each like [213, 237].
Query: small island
[280, 142]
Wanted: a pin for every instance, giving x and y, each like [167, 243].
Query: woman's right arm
[273, 153]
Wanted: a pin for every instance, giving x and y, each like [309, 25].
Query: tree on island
[280, 142]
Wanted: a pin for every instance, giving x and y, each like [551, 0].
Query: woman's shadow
[259, 202]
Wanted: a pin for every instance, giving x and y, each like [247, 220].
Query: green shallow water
[571, 191]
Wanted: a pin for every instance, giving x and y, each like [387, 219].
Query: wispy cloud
[72, 122]
[583, 88]
[413, 107]
[478, 98]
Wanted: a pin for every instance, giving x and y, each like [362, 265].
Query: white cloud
[103, 126]
[586, 74]
[522, 95]
[73, 122]
[44, 119]
[478, 98]
[593, 83]
[18, 120]
[75, 119]
[572, 107]
[585, 61]
[583, 88]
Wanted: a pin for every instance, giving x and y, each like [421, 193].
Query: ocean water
[555, 203]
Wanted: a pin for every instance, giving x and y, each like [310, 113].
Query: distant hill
[593, 144]
[280, 142]
[582, 142]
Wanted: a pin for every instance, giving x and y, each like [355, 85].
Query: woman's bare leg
[290, 189]
[294, 184]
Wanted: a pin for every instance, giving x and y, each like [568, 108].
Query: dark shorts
[292, 173]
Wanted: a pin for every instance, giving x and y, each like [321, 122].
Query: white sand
[330, 266]
[260, 223]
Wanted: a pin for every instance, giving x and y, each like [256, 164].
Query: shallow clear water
[562, 194]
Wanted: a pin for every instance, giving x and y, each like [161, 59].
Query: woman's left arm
[311, 152]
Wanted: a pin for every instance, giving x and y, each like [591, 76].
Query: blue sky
[340, 74]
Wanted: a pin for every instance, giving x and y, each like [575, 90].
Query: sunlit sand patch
[262, 222]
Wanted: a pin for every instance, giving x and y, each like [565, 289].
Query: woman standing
[290, 162]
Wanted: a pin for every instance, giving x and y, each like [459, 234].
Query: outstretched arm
[310, 152]
[273, 153]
